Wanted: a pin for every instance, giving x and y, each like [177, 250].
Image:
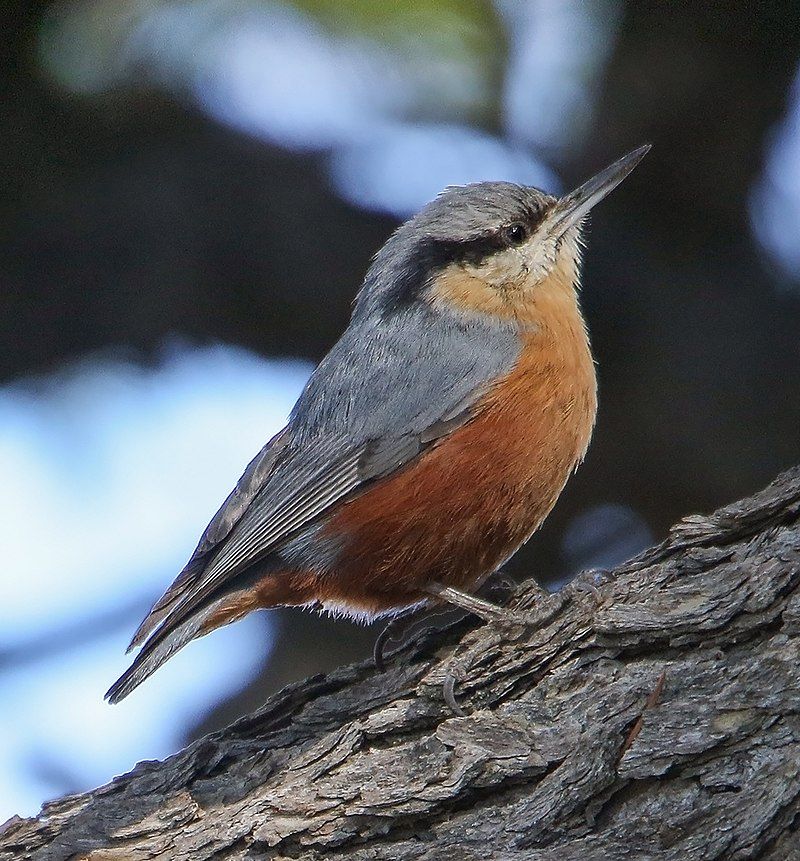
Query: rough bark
[656, 717]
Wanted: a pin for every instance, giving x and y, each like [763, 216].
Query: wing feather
[230, 512]
[369, 409]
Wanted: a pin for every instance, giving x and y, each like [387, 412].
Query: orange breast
[468, 503]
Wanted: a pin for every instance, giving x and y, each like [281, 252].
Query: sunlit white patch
[775, 198]
[109, 474]
[557, 53]
[398, 168]
[269, 68]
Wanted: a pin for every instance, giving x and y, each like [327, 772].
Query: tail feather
[163, 607]
[153, 654]
[169, 639]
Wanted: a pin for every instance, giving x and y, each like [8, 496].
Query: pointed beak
[573, 207]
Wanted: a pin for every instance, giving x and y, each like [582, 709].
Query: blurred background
[192, 193]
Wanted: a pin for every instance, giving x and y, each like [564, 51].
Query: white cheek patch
[546, 253]
[528, 264]
[541, 256]
[503, 267]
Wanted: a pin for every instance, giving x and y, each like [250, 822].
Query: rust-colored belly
[469, 502]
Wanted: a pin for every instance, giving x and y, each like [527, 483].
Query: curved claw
[448, 691]
[394, 629]
[382, 639]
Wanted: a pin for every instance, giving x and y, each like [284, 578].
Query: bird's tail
[168, 639]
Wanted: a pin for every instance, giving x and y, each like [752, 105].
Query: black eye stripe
[444, 236]
[470, 251]
[433, 254]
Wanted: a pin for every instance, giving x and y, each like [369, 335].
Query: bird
[431, 441]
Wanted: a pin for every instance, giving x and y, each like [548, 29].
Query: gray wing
[389, 388]
[229, 514]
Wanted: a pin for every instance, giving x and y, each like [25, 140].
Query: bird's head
[489, 248]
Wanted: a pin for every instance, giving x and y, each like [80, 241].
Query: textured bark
[654, 717]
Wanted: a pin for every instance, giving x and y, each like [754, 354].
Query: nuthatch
[431, 441]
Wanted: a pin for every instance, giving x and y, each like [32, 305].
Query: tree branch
[654, 716]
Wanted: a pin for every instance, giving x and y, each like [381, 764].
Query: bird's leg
[399, 626]
[471, 603]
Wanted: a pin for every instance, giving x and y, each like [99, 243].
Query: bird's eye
[515, 234]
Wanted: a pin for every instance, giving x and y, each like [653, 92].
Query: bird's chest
[471, 500]
[532, 432]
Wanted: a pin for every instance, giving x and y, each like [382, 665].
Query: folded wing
[371, 407]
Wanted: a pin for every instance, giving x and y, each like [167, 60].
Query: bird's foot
[498, 588]
[511, 623]
[392, 631]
